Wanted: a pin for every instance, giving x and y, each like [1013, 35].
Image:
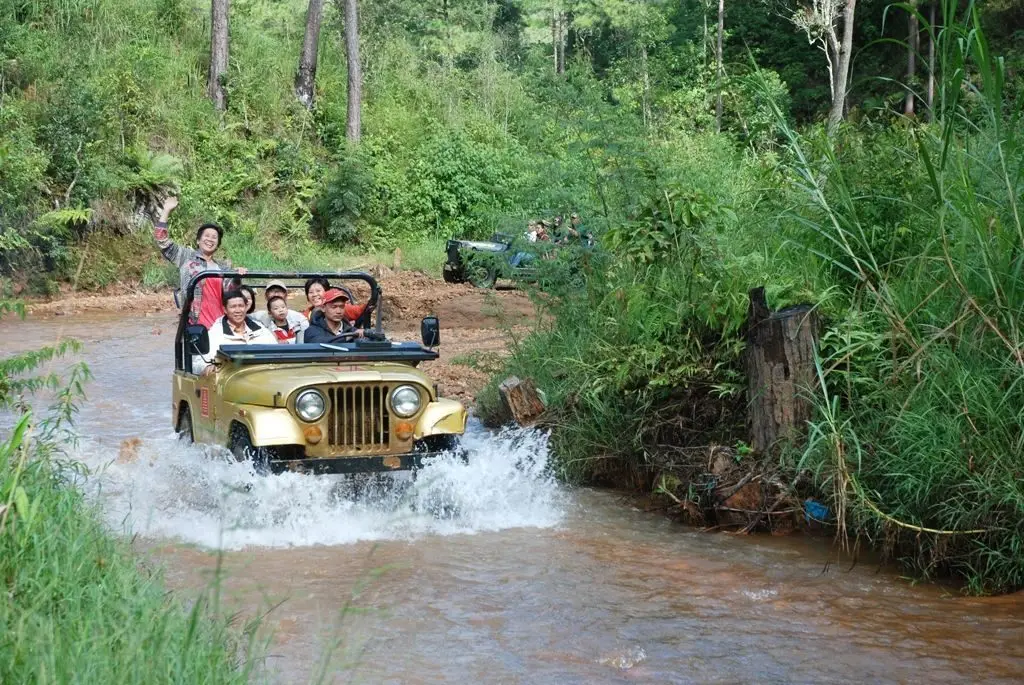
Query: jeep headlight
[310, 405]
[405, 401]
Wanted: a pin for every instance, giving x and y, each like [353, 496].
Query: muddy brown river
[529, 581]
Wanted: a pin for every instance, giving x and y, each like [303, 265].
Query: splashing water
[200, 495]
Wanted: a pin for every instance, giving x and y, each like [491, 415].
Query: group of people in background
[556, 230]
[228, 308]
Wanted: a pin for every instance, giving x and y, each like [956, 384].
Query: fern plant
[154, 175]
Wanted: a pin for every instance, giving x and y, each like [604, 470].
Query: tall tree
[548, 21]
[559, 29]
[353, 127]
[554, 37]
[218, 53]
[305, 77]
[931, 61]
[563, 20]
[913, 45]
[718, 64]
[820, 20]
[843, 72]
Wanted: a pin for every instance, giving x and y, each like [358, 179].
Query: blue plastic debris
[815, 511]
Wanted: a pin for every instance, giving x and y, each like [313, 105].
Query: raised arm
[170, 250]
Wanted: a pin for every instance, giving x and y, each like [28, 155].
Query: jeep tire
[184, 428]
[241, 446]
[482, 276]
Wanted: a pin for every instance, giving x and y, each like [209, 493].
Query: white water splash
[625, 659]
[198, 495]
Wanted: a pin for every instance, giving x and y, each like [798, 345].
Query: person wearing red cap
[332, 320]
[317, 287]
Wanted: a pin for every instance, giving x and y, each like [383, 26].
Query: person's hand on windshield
[242, 271]
[209, 370]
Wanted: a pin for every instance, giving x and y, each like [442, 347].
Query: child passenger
[295, 320]
[284, 328]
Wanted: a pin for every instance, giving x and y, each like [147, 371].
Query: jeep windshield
[356, 351]
[365, 288]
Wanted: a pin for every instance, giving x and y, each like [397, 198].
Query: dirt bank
[475, 324]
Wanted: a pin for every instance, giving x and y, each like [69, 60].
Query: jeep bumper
[371, 464]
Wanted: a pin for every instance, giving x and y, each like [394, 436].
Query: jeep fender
[442, 416]
[267, 426]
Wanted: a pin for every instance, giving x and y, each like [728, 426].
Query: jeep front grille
[359, 419]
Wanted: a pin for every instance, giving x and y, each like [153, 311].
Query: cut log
[781, 376]
[521, 400]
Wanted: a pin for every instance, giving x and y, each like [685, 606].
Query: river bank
[78, 604]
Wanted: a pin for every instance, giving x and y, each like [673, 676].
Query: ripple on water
[199, 495]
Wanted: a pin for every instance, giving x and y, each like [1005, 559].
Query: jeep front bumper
[342, 465]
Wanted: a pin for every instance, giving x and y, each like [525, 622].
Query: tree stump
[780, 370]
[521, 401]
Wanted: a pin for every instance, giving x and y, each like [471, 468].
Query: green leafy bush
[338, 210]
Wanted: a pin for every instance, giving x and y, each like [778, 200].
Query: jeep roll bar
[183, 355]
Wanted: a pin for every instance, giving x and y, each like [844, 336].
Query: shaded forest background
[467, 124]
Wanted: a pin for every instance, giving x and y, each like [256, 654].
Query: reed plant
[920, 429]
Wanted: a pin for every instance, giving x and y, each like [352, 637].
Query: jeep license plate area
[343, 465]
[359, 421]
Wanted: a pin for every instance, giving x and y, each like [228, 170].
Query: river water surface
[527, 582]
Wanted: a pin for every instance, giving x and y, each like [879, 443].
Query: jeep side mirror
[198, 339]
[430, 331]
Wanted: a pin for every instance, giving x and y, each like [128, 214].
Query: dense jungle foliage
[905, 230]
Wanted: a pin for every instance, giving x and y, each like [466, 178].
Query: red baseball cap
[335, 294]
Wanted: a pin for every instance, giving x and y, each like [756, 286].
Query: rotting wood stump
[781, 375]
[521, 401]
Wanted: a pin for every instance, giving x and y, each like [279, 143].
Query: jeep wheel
[483, 276]
[184, 428]
[450, 275]
[241, 446]
[437, 443]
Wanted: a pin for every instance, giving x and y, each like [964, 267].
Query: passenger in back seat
[281, 324]
[295, 320]
[234, 328]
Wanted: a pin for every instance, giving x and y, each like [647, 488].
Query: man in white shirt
[234, 328]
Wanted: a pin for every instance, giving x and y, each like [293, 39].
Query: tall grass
[921, 430]
[77, 605]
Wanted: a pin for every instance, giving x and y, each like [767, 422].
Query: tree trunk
[218, 53]
[520, 400]
[843, 68]
[931, 62]
[305, 77]
[353, 128]
[718, 64]
[780, 370]
[832, 60]
[913, 45]
[560, 45]
[646, 104]
[554, 38]
[704, 45]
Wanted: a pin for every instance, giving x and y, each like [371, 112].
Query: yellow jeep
[340, 407]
